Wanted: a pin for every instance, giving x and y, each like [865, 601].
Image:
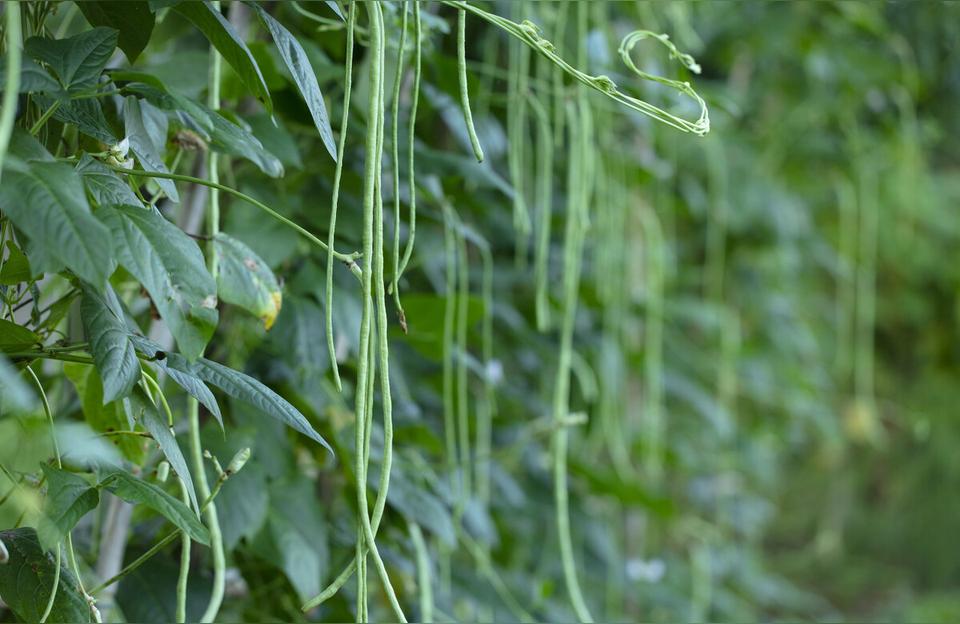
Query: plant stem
[56, 586]
[193, 409]
[44, 117]
[347, 258]
[530, 35]
[184, 576]
[139, 561]
[72, 557]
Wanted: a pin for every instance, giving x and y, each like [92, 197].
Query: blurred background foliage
[765, 350]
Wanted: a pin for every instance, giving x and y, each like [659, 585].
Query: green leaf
[228, 42]
[104, 418]
[14, 392]
[276, 139]
[146, 129]
[242, 504]
[46, 201]
[171, 364]
[230, 138]
[410, 495]
[132, 18]
[163, 435]
[294, 338]
[77, 61]
[335, 8]
[109, 340]
[58, 310]
[86, 115]
[221, 134]
[69, 498]
[296, 526]
[149, 593]
[26, 581]
[304, 77]
[15, 337]
[249, 390]
[134, 490]
[105, 186]
[245, 280]
[170, 266]
[25, 146]
[236, 385]
[33, 78]
[16, 268]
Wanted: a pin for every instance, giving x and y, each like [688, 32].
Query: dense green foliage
[469, 311]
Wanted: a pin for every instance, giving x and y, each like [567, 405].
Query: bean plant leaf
[132, 18]
[170, 266]
[237, 385]
[177, 368]
[57, 311]
[14, 337]
[164, 437]
[25, 146]
[221, 134]
[33, 78]
[245, 280]
[249, 390]
[16, 268]
[77, 61]
[109, 341]
[410, 496]
[335, 7]
[134, 490]
[69, 498]
[230, 138]
[26, 581]
[296, 527]
[146, 129]
[242, 504]
[228, 42]
[86, 114]
[103, 185]
[296, 60]
[46, 201]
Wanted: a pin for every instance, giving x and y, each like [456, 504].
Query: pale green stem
[47, 114]
[184, 576]
[349, 259]
[193, 409]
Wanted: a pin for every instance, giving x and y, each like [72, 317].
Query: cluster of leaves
[765, 316]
